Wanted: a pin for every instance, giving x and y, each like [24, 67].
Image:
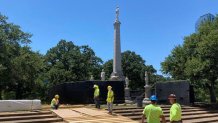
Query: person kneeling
[55, 102]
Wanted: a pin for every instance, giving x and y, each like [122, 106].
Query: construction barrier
[82, 92]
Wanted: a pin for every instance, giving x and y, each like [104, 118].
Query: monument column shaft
[117, 73]
[117, 49]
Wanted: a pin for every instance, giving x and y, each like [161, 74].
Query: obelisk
[117, 73]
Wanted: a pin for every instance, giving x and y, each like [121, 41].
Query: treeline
[26, 74]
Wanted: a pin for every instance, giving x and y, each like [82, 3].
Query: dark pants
[97, 102]
[176, 122]
[55, 106]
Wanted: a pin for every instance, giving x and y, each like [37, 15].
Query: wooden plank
[86, 115]
[90, 112]
[67, 113]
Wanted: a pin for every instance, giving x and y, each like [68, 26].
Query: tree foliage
[19, 66]
[197, 58]
[134, 68]
[67, 62]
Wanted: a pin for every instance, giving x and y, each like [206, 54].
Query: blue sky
[151, 28]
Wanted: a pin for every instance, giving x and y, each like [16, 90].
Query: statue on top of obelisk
[117, 13]
[117, 73]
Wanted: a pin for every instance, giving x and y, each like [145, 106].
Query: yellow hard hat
[57, 96]
[95, 86]
[109, 87]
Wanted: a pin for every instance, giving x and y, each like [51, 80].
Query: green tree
[108, 68]
[134, 67]
[92, 63]
[197, 58]
[19, 66]
[67, 62]
[26, 69]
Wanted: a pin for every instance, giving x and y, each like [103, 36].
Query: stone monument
[147, 89]
[91, 78]
[102, 75]
[127, 82]
[127, 91]
[117, 73]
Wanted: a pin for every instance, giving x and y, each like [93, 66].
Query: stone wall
[182, 89]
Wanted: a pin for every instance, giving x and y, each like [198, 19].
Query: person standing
[153, 112]
[55, 102]
[96, 96]
[175, 110]
[110, 99]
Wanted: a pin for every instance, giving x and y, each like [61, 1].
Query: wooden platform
[87, 115]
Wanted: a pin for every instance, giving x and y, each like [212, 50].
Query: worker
[110, 99]
[96, 96]
[55, 102]
[175, 110]
[153, 112]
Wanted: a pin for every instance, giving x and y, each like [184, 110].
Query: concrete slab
[19, 105]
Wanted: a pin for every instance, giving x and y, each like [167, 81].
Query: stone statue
[147, 89]
[146, 78]
[127, 82]
[117, 13]
[102, 75]
[91, 78]
[127, 91]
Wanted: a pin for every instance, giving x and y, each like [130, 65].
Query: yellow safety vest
[96, 92]
[110, 96]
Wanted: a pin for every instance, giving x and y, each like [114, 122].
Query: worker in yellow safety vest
[175, 110]
[55, 102]
[153, 112]
[110, 99]
[96, 96]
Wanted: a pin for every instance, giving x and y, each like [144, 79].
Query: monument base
[117, 77]
[146, 101]
[114, 78]
[127, 96]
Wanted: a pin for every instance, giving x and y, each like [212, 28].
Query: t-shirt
[54, 102]
[175, 112]
[96, 92]
[110, 96]
[153, 113]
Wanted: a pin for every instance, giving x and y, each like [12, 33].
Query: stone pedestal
[127, 96]
[147, 94]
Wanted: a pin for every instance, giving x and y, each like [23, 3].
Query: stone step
[167, 110]
[202, 120]
[27, 117]
[11, 114]
[46, 120]
[188, 117]
[30, 117]
[163, 107]
[167, 113]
